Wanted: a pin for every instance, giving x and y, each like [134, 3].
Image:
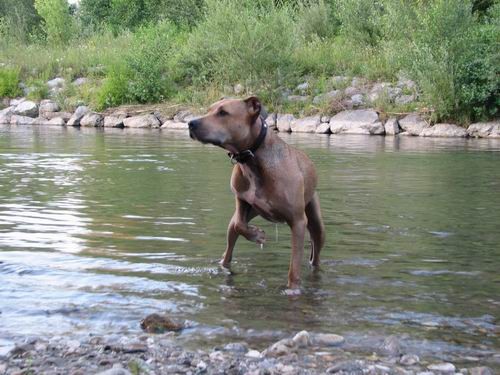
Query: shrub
[9, 83]
[361, 20]
[316, 20]
[115, 90]
[58, 24]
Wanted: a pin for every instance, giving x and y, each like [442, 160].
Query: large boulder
[114, 121]
[175, 125]
[78, 115]
[22, 120]
[361, 121]
[6, 114]
[50, 115]
[485, 130]
[48, 106]
[413, 124]
[306, 124]
[27, 108]
[444, 130]
[142, 121]
[15, 102]
[323, 128]
[392, 126]
[92, 119]
[184, 116]
[284, 122]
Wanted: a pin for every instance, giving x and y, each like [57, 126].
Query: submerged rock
[156, 323]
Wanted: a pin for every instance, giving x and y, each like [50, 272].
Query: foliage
[115, 89]
[9, 83]
[58, 24]
[19, 19]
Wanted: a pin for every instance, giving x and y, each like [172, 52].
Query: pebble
[253, 354]
[480, 371]
[302, 339]
[442, 367]
[409, 359]
[328, 339]
[118, 370]
[236, 347]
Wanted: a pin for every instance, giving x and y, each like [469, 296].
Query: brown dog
[270, 179]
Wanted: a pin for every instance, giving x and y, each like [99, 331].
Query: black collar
[243, 156]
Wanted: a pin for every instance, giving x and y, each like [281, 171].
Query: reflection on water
[99, 229]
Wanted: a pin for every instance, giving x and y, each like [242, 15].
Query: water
[99, 229]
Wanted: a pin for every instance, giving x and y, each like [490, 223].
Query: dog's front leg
[298, 227]
[239, 225]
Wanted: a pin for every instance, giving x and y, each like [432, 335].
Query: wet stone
[409, 359]
[328, 339]
[302, 339]
[236, 347]
[352, 367]
[483, 370]
[156, 323]
[446, 368]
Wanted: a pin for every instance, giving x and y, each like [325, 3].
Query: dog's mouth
[213, 140]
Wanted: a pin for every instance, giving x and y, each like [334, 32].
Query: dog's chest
[261, 200]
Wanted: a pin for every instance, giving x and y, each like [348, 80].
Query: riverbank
[21, 111]
[304, 353]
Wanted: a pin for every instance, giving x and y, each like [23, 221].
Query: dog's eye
[222, 113]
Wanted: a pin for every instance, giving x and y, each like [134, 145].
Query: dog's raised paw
[257, 235]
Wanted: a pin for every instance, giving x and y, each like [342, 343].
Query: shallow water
[99, 229]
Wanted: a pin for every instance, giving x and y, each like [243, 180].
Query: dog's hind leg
[239, 225]
[316, 229]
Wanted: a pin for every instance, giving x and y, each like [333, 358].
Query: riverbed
[100, 228]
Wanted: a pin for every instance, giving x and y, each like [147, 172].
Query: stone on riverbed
[305, 125]
[444, 130]
[327, 339]
[280, 348]
[485, 130]
[413, 124]
[361, 121]
[92, 119]
[302, 339]
[115, 370]
[51, 115]
[22, 120]
[48, 105]
[26, 108]
[175, 125]
[114, 121]
[142, 121]
[392, 126]
[444, 368]
[6, 114]
[323, 128]
[409, 359]
[284, 121]
[78, 115]
[480, 371]
[156, 323]
[236, 347]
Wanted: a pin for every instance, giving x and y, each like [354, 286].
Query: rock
[327, 339]
[406, 83]
[6, 114]
[378, 91]
[413, 124]
[4, 103]
[327, 97]
[325, 119]
[92, 119]
[347, 367]
[323, 128]
[253, 354]
[51, 115]
[361, 121]
[141, 121]
[114, 121]
[409, 359]
[480, 371]
[280, 348]
[283, 122]
[339, 80]
[485, 130]
[357, 100]
[56, 83]
[236, 347]
[271, 120]
[305, 125]
[80, 81]
[118, 370]
[57, 121]
[391, 346]
[302, 339]
[358, 82]
[78, 115]
[351, 91]
[445, 368]
[156, 323]
[444, 130]
[17, 101]
[303, 87]
[405, 99]
[183, 116]
[172, 124]
[48, 106]
[238, 89]
[297, 98]
[26, 108]
[392, 126]
[22, 120]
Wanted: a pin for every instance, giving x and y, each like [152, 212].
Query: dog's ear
[254, 106]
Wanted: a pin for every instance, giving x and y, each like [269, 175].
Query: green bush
[361, 20]
[58, 24]
[9, 83]
[115, 90]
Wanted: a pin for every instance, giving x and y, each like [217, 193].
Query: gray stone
[339, 80]
[357, 100]
[271, 120]
[238, 89]
[114, 121]
[184, 116]
[391, 346]
[15, 102]
[50, 115]
[405, 99]
[236, 347]
[323, 128]
[48, 105]
[358, 82]
[26, 108]
[409, 359]
[405, 83]
[172, 124]
[22, 120]
[305, 125]
[483, 370]
[327, 97]
[6, 114]
[56, 83]
[303, 87]
[444, 368]
[325, 119]
[485, 130]
[92, 119]
[297, 98]
[59, 121]
[351, 91]
[118, 370]
[78, 115]
[280, 348]
[444, 130]
[347, 367]
[327, 339]
[142, 121]
[302, 339]
[392, 126]
[80, 81]
[284, 121]
[253, 354]
[4, 103]
[361, 121]
[413, 124]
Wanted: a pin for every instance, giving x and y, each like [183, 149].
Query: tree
[58, 24]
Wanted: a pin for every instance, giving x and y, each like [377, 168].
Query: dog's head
[228, 123]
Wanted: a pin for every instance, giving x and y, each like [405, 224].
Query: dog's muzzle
[193, 125]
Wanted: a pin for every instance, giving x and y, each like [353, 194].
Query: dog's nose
[193, 124]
